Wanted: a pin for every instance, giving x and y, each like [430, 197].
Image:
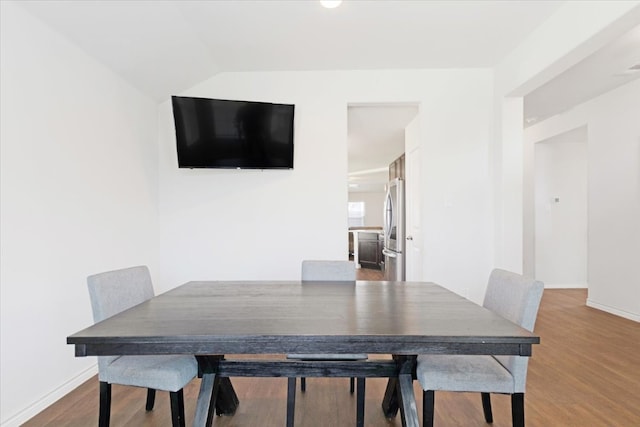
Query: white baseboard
[622, 313]
[40, 405]
[565, 286]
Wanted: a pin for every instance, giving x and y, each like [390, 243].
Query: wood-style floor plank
[585, 372]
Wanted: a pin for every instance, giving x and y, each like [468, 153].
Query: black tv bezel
[236, 167]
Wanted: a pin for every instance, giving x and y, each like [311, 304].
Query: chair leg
[352, 385]
[105, 404]
[177, 408]
[428, 403]
[291, 400]
[303, 384]
[151, 399]
[517, 409]
[486, 407]
[360, 402]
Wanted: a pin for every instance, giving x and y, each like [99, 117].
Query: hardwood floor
[369, 274]
[584, 373]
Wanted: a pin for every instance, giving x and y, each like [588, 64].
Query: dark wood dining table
[211, 319]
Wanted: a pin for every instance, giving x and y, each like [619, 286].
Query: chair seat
[168, 373]
[463, 373]
[314, 356]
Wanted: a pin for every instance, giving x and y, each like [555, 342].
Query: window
[356, 214]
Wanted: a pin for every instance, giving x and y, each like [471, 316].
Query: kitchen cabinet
[396, 168]
[370, 250]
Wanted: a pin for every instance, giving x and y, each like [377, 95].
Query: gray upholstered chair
[335, 271]
[116, 291]
[515, 298]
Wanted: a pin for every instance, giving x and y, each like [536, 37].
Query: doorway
[376, 138]
[560, 176]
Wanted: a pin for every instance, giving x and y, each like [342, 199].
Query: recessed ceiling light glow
[330, 4]
[634, 69]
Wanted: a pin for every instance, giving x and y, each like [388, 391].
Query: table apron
[195, 348]
[297, 368]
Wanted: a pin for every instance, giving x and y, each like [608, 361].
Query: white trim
[565, 286]
[626, 314]
[40, 405]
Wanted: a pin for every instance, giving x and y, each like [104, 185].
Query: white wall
[78, 196]
[413, 202]
[373, 206]
[559, 43]
[222, 224]
[507, 172]
[613, 194]
[561, 210]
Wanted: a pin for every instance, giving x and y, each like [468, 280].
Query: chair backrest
[115, 291]
[516, 298]
[328, 270]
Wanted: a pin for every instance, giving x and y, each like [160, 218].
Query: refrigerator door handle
[389, 253]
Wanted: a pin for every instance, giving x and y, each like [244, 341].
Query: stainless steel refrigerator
[394, 247]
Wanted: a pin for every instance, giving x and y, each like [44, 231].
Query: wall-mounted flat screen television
[218, 133]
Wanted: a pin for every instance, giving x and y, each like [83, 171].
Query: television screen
[217, 133]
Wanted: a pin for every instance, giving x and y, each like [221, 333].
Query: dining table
[231, 326]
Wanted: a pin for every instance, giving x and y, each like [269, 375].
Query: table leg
[227, 401]
[408, 409]
[216, 393]
[390, 400]
[206, 402]
[399, 392]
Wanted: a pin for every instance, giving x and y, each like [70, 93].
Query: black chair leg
[428, 403]
[291, 400]
[303, 384]
[105, 404]
[486, 407]
[177, 408]
[360, 402]
[517, 409]
[151, 399]
[352, 385]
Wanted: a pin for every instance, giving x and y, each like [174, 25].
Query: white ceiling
[165, 47]
[615, 64]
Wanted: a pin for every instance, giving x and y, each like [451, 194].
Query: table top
[247, 317]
